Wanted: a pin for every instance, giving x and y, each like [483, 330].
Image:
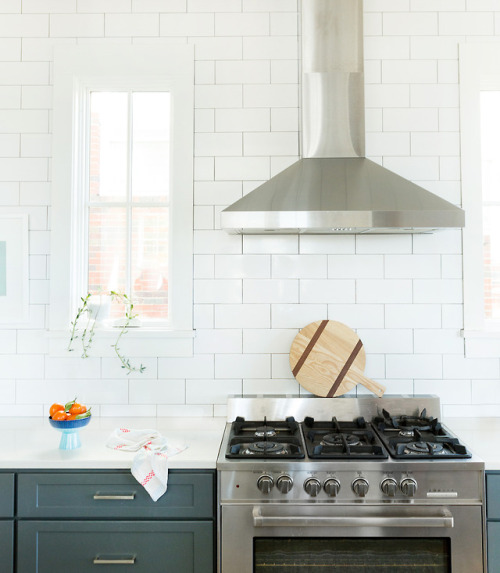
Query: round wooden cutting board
[328, 359]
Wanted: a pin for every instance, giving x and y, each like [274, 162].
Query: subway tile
[242, 316]
[387, 47]
[466, 24]
[23, 169]
[410, 119]
[383, 244]
[218, 341]
[274, 95]
[134, 411]
[105, 6]
[386, 143]
[185, 411]
[186, 367]
[213, 5]
[443, 242]
[24, 121]
[414, 168]
[284, 24]
[58, 367]
[242, 72]
[246, 168]
[298, 266]
[242, 24]
[409, 71]
[218, 96]
[203, 266]
[269, 5]
[32, 342]
[11, 6]
[296, 315]
[36, 145]
[459, 367]
[372, 24]
[38, 267]
[216, 242]
[412, 315]
[214, 144]
[482, 390]
[43, 6]
[24, 25]
[204, 168]
[423, 366]
[212, 391]
[216, 192]
[482, 347]
[39, 291]
[207, 48]
[203, 316]
[386, 5]
[186, 24]
[23, 73]
[83, 25]
[272, 386]
[8, 342]
[242, 366]
[36, 97]
[449, 391]
[387, 341]
[412, 266]
[355, 266]
[329, 291]
[258, 244]
[285, 119]
[437, 47]
[437, 95]
[217, 291]
[157, 392]
[242, 120]
[383, 291]
[204, 120]
[204, 72]
[410, 23]
[280, 366]
[437, 5]
[10, 49]
[451, 266]
[358, 315]
[20, 410]
[9, 145]
[273, 143]
[280, 163]
[243, 266]
[10, 97]
[433, 341]
[270, 291]
[7, 392]
[453, 316]
[327, 244]
[269, 340]
[430, 291]
[435, 144]
[449, 119]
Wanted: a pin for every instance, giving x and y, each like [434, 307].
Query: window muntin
[127, 205]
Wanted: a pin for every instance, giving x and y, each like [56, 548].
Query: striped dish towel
[150, 464]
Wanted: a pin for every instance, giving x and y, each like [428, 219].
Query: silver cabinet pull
[107, 561]
[105, 496]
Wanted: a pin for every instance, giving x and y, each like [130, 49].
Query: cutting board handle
[373, 386]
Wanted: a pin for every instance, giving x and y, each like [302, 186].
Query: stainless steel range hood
[334, 188]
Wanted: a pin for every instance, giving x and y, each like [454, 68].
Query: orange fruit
[77, 409]
[55, 408]
[60, 415]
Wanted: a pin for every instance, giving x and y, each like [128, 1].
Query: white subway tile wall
[252, 294]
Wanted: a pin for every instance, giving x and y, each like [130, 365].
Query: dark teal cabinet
[493, 520]
[52, 522]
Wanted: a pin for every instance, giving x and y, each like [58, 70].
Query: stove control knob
[360, 487]
[312, 486]
[408, 487]
[284, 483]
[331, 487]
[389, 486]
[265, 483]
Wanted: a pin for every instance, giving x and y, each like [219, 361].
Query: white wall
[252, 294]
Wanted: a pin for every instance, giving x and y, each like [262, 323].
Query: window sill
[137, 342]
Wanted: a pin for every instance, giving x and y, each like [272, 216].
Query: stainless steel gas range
[340, 485]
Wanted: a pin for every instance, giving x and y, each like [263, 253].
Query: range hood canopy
[334, 189]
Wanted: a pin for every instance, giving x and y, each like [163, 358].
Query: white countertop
[31, 443]
[481, 436]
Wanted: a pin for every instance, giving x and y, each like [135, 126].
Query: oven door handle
[445, 519]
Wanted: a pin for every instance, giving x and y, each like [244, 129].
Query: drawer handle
[108, 561]
[104, 496]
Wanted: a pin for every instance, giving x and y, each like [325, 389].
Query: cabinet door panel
[493, 529]
[90, 546]
[113, 495]
[6, 495]
[6, 546]
[493, 495]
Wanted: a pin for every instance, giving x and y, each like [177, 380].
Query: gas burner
[338, 439]
[423, 448]
[406, 433]
[265, 432]
[267, 448]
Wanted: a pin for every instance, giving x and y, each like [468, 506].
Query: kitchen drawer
[113, 495]
[493, 495]
[6, 495]
[151, 547]
[7, 546]
[493, 531]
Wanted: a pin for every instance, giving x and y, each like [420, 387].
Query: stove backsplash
[402, 293]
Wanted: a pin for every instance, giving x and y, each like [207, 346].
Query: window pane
[108, 146]
[150, 262]
[107, 249]
[150, 146]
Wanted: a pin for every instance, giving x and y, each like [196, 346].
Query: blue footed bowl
[70, 438]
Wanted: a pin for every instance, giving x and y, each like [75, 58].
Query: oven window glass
[352, 555]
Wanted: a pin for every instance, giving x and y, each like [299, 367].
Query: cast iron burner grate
[342, 440]
[263, 439]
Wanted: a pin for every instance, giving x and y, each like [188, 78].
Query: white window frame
[479, 71]
[77, 71]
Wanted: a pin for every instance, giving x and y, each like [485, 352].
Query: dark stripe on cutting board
[345, 369]
[309, 347]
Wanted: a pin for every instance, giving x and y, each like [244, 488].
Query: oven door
[265, 538]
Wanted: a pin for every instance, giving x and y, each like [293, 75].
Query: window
[480, 145]
[123, 189]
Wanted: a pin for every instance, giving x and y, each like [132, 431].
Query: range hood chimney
[334, 189]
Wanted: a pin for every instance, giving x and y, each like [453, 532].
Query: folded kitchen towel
[150, 464]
